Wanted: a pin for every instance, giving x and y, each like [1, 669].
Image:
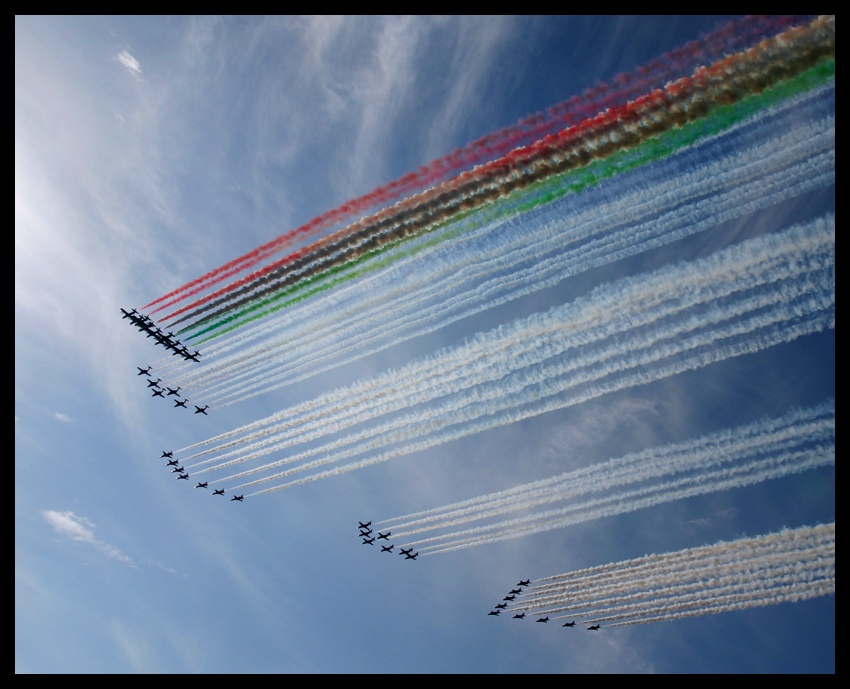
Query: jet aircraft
[494, 612]
[364, 526]
[219, 491]
[154, 383]
[524, 583]
[166, 454]
[172, 392]
[128, 314]
[406, 552]
[385, 536]
[594, 628]
[199, 410]
[186, 476]
[502, 606]
[511, 597]
[178, 470]
[240, 498]
[144, 371]
[172, 462]
[569, 624]
[516, 592]
[180, 403]
[201, 485]
[370, 541]
[158, 393]
[366, 533]
[411, 557]
[387, 548]
[520, 616]
[544, 619]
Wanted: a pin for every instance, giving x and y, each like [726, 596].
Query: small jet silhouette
[172, 462]
[385, 536]
[158, 393]
[411, 557]
[515, 592]
[172, 392]
[502, 606]
[364, 526]
[569, 624]
[524, 583]
[594, 628]
[367, 532]
[186, 476]
[238, 498]
[387, 548]
[511, 597]
[370, 541]
[202, 485]
[177, 470]
[167, 454]
[494, 612]
[406, 552]
[154, 383]
[144, 371]
[544, 619]
[180, 403]
[520, 616]
[199, 410]
[219, 491]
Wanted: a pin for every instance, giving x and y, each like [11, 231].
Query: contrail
[792, 432]
[769, 62]
[809, 151]
[731, 37]
[787, 566]
[794, 309]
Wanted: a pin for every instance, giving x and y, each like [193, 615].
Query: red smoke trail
[731, 37]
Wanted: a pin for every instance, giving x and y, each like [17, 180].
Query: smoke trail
[732, 37]
[581, 373]
[792, 431]
[788, 566]
[688, 99]
[627, 235]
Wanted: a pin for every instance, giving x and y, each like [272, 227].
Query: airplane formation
[167, 340]
[184, 475]
[144, 324]
[365, 532]
[512, 595]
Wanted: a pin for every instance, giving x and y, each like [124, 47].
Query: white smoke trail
[787, 566]
[790, 432]
[549, 380]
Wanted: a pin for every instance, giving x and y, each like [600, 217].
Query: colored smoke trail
[731, 37]
[685, 100]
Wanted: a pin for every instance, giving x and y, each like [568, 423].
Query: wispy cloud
[130, 63]
[59, 416]
[80, 529]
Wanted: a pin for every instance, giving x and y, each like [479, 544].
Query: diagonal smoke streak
[767, 251]
[787, 566]
[630, 501]
[764, 437]
[782, 151]
[819, 317]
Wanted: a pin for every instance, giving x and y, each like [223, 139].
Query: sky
[151, 150]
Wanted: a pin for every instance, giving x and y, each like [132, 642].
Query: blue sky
[151, 150]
